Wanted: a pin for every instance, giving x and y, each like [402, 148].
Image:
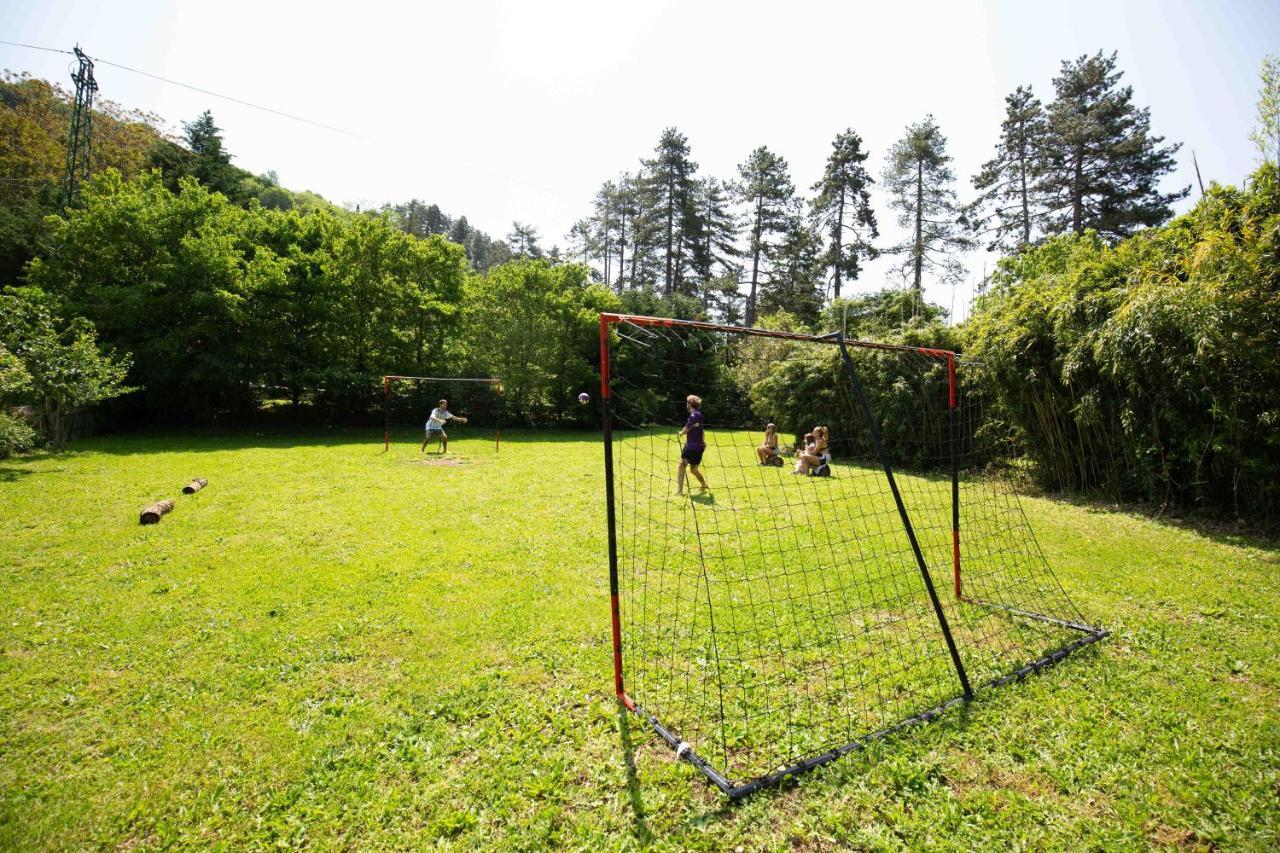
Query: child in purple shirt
[694, 445]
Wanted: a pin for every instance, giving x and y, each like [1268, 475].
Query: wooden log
[194, 486]
[151, 515]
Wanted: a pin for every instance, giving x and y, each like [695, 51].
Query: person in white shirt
[440, 415]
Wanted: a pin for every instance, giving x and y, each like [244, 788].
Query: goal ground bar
[735, 792]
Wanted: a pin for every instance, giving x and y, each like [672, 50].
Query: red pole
[386, 416]
[952, 417]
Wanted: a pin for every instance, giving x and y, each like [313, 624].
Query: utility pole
[80, 137]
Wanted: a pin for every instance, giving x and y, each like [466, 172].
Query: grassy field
[334, 647]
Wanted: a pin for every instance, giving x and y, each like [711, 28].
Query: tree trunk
[1022, 174]
[838, 238]
[755, 262]
[671, 213]
[195, 485]
[151, 515]
[919, 250]
[1077, 193]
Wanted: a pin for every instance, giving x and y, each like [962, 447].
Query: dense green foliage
[223, 306]
[1149, 368]
[53, 364]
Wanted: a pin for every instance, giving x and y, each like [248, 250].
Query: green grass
[333, 647]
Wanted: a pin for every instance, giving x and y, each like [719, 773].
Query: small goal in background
[407, 402]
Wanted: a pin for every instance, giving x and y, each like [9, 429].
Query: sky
[509, 111]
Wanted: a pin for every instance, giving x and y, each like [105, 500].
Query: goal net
[407, 402]
[832, 593]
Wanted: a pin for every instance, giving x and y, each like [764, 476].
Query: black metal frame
[682, 749]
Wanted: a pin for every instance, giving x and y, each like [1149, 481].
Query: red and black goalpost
[782, 621]
[408, 400]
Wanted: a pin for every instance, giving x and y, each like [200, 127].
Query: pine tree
[1266, 135]
[211, 165]
[666, 192]
[460, 233]
[842, 210]
[766, 191]
[715, 252]
[1102, 166]
[523, 241]
[435, 221]
[1008, 209]
[918, 177]
[795, 284]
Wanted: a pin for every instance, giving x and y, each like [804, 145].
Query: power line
[203, 91]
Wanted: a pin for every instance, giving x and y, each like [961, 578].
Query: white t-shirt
[438, 417]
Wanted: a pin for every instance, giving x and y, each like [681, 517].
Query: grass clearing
[337, 647]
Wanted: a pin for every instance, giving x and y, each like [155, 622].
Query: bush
[1149, 369]
[16, 436]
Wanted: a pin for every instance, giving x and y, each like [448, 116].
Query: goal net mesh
[783, 618]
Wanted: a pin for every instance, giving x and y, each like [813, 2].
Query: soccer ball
[584, 397]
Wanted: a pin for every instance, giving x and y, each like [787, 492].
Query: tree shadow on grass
[8, 475]
[359, 438]
[1263, 535]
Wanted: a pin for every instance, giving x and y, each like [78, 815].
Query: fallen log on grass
[151, 515]
[194, 486]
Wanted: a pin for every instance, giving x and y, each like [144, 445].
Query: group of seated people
[812, 457]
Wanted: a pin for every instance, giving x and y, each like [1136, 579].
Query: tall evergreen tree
[1102, 166]
[715, 253]
[1008, 209]
[795, 283]
[918, 176]
[766, 192]
[211, 165]
[666, 192]
[523, 241]
[842, 210]
[460, 233]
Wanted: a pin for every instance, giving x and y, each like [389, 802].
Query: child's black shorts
[692, 456]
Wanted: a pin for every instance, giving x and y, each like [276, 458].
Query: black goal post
[859, 560]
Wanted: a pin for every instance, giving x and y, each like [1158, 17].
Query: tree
[1266, 134]
[918, 176]
[795, 285]
[1101, 166]
[842, 210]
[1008, 209]
[523, 241]
[765, 189]
[536, 326]
[715, 244]
[171, 279]
[666, 196]
[211, 165]
[63, 366]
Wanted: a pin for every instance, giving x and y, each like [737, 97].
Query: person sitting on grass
[694, 445]
[821, 465]
[769, 450]
[440, 415]
[806, 452]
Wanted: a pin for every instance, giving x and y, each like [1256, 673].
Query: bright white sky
[518, 110]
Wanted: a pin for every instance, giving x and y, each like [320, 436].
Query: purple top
[693, 438]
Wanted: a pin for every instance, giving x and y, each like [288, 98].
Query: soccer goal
[826, 595]
[407, 402]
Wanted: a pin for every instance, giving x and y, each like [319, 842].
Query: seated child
[806, 457]
[769, 450]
